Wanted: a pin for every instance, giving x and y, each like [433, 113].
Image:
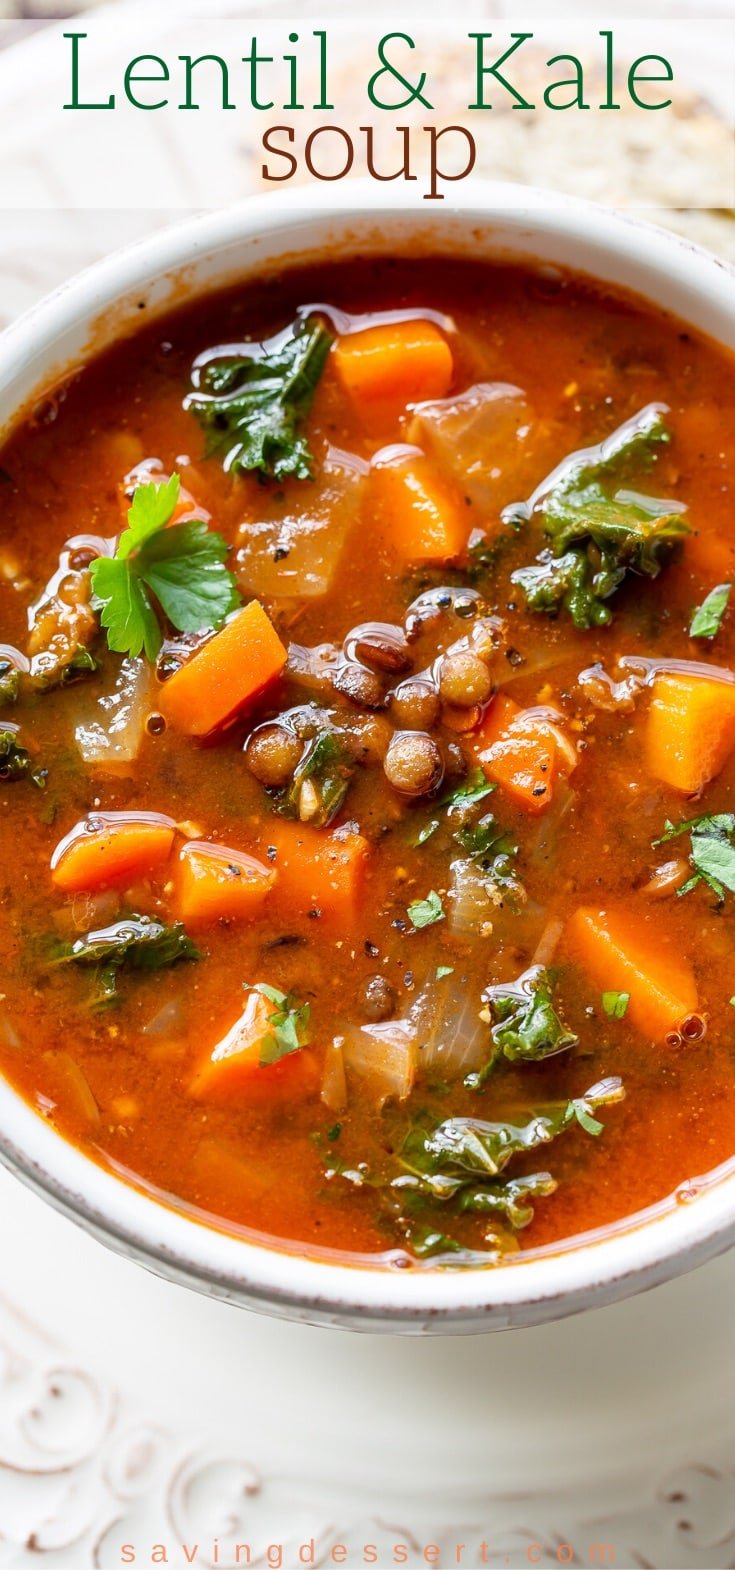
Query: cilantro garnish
[712, 854]
[180, 569]
[424, 912]
[251, 405]
[615, 1004]
[288, 1022]
[526, 1026]
[707, 618]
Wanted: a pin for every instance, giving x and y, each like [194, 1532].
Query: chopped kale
[9, 683]
[139, 943]
[525, 1024]
[252, 404]
[598, 531]
[320, 781]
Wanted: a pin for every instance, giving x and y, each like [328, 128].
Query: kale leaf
[140, 943]
[16, 762]
[251, 405]
[9, 683]
[320, 780]
[181, 564]
[525, 1025]
[598, 532]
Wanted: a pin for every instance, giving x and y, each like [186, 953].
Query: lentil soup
[367, 752]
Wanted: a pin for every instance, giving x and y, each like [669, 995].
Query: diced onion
[167, 1021]
[76, 1085]
[478, 437]
[334, 1079]
[294, 552]
[473, 900]
[385, 1056]
[8, 1034]
[453, 1039]
[110, 738]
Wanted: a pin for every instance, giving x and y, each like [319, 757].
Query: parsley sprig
[179, 568]
[712, 854]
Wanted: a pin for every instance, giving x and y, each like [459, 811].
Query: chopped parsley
[712, 852]
[424, 912]
[288, 1024]
[615, 1004]
[252, 404]
[178, 567]
[707, 618]
[526, 1027]
[444, 970]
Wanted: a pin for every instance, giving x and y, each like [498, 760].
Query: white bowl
[100, 306]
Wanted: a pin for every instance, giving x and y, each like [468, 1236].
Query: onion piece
[8, 1034]
[548, 943]
[385, 1056]
[334, 1079]
[111, 736]
[479, 437]
[294, 551]
[167, 1021]
[455, 1039]
[75, 1084]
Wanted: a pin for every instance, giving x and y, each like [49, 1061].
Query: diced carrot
[234, 1066]
[524, 751]
[384, 368]
[415, 508]
[317, 871]
[622, 952]
[691, 729]
[213, 882]
[232, 669]
[111, 848]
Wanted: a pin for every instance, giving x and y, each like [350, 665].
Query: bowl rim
[589, 1269]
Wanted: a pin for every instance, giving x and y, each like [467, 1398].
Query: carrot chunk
[226, 673]
[384, 368]
[691, 729]
[623, 953]
[111, 848]
[213, 882]
[234, 1066]
[416, 510]
[524, 751]
[318, 871]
